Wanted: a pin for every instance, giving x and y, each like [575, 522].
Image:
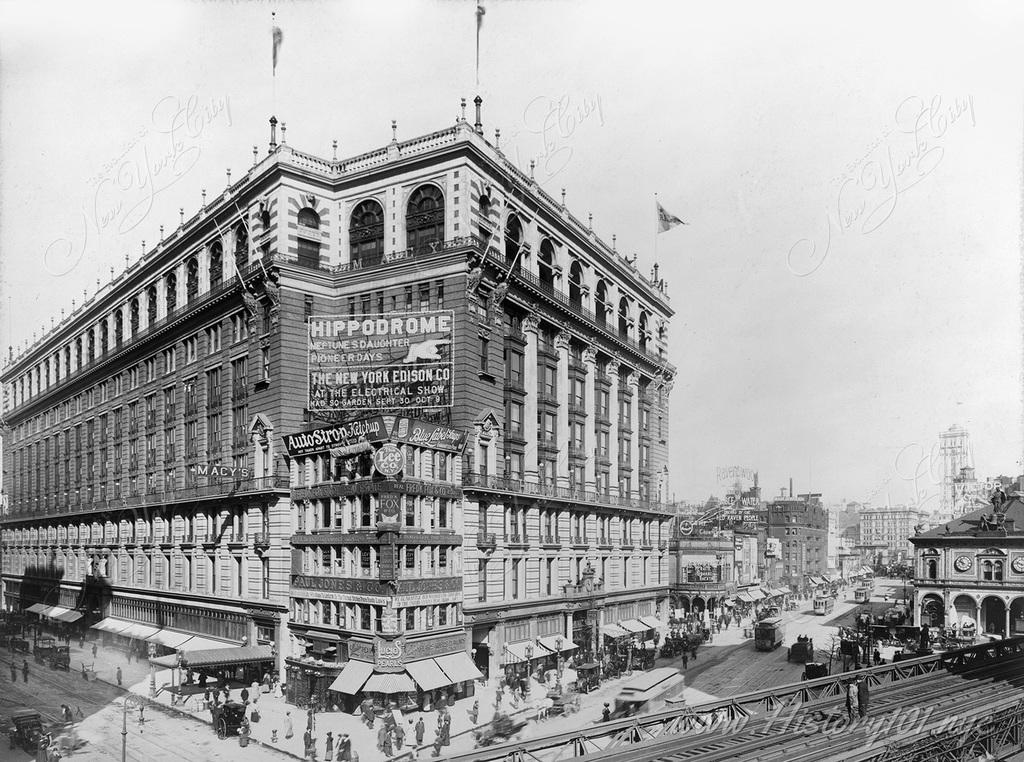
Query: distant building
[968, 492]
[701, 569]
[955, 449]
[888, 529]
[800, 524]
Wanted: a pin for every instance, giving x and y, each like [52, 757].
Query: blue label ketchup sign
[388, 460]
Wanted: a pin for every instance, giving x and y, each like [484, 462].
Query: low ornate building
[971, 570]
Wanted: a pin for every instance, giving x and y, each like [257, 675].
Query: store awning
[613, 631]
[62, 614]
[226, 657]
[777, 592]
[459, 667]
[201, 643]
[389, 683]
[652, 623]
[352, 677]
[548, 641]
[866, 570]
[111, 625]
[170, 638]
[516, 652]
[817, 581]
[755, 594]
[427, 674]
[633, 625]
[37, 608]
[744, 597]
[785, 590]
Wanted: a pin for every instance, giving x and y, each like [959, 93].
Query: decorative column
[203, 258]
[590, 444]
[634, 445]
[613, 432]
[562, 463]
[161, 297]
[530, 327]
[1006, 632]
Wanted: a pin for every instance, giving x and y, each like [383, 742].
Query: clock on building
[1018, 564]
[962, 563]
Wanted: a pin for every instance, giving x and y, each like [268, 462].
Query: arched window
[133, 316]
[601, 302]
[643, 333]
[191, 279]
[366, 233]
[118, 327]
[623, 317]
[513, 240]
[932, 568]
[78, 353]
[241, 247]
[172, 292]
[308, 218]
[986, 570]
[151, 304]
[216, 265]
[997, 570]
[56, 367]
[308, 248]
[104, 336]
[576, 284]
[546, 263]
[67, 361]
[91, 339]
[424, 218]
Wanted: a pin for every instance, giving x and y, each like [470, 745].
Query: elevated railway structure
[948, 707]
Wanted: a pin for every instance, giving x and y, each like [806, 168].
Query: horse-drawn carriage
[26, 729]
[802, 650]
[588, 677]
[228, 718]
[44, 647]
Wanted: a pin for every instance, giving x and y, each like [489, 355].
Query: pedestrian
[862, 696]
[420, 730]
[878, 657]
[118, 677]
[329, 748]
[474, 713]
[129, 655]
[245, 695]
[345, 748]
[309, 719]
[606, 713]
[388, 749]
[206, 699]
[289, 731]
[81, 643]
[399, 737]
[382, 733]
[686, 660]
[851, 699]
[446, 730]
[307, 742]
[24, 671]
[693, 653]
[94, 650]
[254, 691]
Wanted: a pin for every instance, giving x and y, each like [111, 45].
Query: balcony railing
[552, 540]
[418, 252]
[580, 591]
[487, 540]
[579, 541]
[517, 540]
[550, 490]
[260, 538]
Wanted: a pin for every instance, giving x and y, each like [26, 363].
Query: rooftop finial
[563, 198]
[532, 165]
[181, 216]
[334, 145]
[613, 243]
[126, 260]
[394, 131]
[204, 199]
[111, 272]
[497, 138]
[229, 178]
[255, 155]
[284, 128]
[463, 109]
[143, 248]
[478, 125]
[590, 222]
[161, 233]
[273, 134]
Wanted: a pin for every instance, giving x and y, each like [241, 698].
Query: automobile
[60, 658]
[228, 718]
[588, 677]
[20, 645]
[26, 729]
[802, 650]
[814, 670]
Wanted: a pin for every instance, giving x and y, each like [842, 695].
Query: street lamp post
[135, 702]
[152, 671]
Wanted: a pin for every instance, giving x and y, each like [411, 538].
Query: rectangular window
[515, 368]
[150, 365]
[190, 349]
[485, 345]
[239, 327]
[170, 360]
[213, 387]
[265, 363]
[424, 296]
[408, 297]
[515, 578]
[440, 295]
[213, 339]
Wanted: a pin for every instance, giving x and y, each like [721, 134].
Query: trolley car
[823, 605]
[768, 634]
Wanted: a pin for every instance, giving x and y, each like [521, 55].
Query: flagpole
[656, 225]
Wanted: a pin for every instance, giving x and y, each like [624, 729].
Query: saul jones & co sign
[376, 362]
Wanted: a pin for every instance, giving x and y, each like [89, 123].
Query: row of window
[366, 618]
[511, 575]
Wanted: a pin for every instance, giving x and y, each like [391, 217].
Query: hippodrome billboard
[381, 362]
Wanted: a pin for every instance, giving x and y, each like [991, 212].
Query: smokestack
[791, 486]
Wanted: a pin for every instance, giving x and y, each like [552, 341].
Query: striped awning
[459, 667]
[427, 674]
[352, 677]
[111, 625]
[37, 608]
[633, 625]
[754, 593]
[389, 683]
[652, 623]
[226, 657]
[548, 641]
[516, 652]
[613, 631]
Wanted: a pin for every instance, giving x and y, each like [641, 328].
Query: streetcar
[647, 691]
[823, 605]
[862, 594]
[768, 634]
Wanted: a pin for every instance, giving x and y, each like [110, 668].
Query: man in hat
[399, 736]
[420, 730]
[345, 748]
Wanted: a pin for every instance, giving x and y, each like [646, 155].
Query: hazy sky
[849, 282]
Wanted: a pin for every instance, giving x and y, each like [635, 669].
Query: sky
[847, 285]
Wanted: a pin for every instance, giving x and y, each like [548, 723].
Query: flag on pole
[278, 36]
[480, 11]
[666, 221]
